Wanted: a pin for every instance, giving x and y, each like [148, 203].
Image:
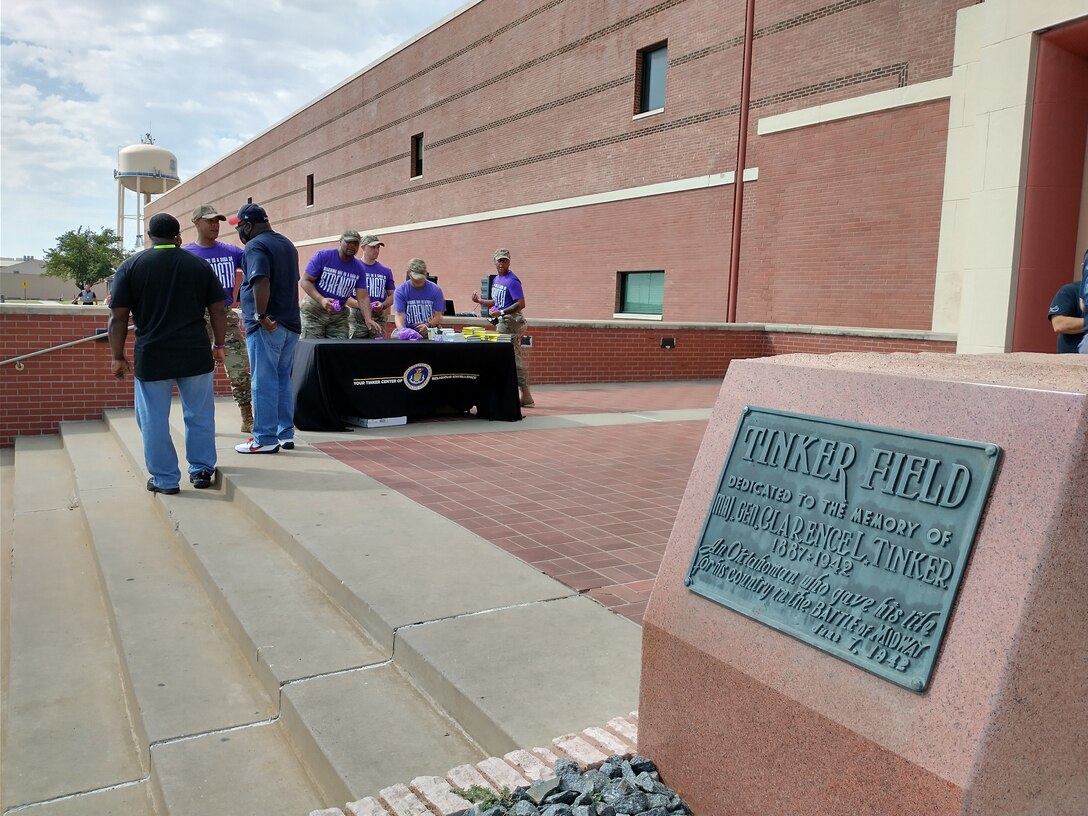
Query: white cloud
[80, 80]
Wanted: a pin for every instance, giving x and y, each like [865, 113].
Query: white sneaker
[287, 444]
[252, 447]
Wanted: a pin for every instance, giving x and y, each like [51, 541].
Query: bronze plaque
[852, 538]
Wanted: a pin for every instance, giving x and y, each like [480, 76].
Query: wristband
[218, 345]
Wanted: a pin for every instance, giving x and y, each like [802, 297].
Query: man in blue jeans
[166, 290]
[270, 312]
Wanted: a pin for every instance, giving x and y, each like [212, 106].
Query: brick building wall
[521, 104]
[75, 383]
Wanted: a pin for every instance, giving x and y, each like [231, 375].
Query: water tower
[146, 170]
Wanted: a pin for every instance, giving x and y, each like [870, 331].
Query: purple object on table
[406, 334]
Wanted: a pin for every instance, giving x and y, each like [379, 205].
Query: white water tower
[146, 170]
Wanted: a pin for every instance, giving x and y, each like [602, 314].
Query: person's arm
[362, 297]
[1065, 324]
[387, 304]
[261, 294]
[398, 318]
[513, 309]
[217, 311]
[95, 300]
[439, 306]
[307, 283]
[118, 334]
[236, 294]
[482, 301]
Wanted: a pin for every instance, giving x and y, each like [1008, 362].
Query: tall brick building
[909, 164]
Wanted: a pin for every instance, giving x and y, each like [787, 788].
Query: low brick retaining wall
[75, 384]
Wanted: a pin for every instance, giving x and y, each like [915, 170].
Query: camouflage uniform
[317, 323]
[236, 362]
[359, 329]
[515, 325]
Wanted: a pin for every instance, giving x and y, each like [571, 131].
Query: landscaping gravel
[620, 787]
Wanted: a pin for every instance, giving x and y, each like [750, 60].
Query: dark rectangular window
[651, 77]
[249, 200]
[641, 293]
[417, 155]
[310, 190]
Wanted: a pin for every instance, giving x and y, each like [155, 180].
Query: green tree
[84, 256]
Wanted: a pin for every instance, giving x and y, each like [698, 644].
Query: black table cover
[372, 379]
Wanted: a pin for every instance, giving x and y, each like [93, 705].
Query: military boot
[247, 418]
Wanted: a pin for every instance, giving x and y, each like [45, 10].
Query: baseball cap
[163, 225]
[417, 268]
[350, 235]
[250, 213]
[372, 240]
[207, 211]
[502, 253]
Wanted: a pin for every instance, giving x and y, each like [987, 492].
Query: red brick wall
[526, 103]
[75, 383]
[69, 384]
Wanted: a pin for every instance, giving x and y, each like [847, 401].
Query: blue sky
[81, 80]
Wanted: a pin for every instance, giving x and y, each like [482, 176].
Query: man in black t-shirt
[1067, 319]
[166, 291]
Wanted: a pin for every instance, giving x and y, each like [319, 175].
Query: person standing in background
[418, 303]
[380, 288]
[270, 312]
[332, 278]
[507, 303]
[167, 292]
[226, 263]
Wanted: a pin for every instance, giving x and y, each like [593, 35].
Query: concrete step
[517, 677]
[128, 800]
[287, 625]
[186, 673]
[67, 725]
[247, 770]
[365, 730]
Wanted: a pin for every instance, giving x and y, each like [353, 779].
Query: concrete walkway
[585, 489]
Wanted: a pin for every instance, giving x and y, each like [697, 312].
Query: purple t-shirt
[379, 280]
[224, 260]
[418, 305]
[336, 278]
[506, 290]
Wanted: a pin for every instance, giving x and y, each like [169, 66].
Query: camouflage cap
[502, 253]
[417, 268]
[350, 235]
[372, 240]
[209, 212]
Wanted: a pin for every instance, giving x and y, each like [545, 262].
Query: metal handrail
[18, 361]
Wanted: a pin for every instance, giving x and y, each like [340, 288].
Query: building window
[249, 200]
[650, 89]
[417, 155]
[310, 190]
[640, 293]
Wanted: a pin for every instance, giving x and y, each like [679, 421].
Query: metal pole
[742, 150]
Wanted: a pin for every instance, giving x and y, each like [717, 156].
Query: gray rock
[616, 789]
[584, 798]
[497, 810]
[632, 803]
[627, 771]
[563, 766]
[594, 781]
[539, 791]
[641, 764]
[657, 800]
[657, 811]
[556, 810]
[612, 767]
[562, 797]
[583, 810]
[525, 808]
[605, 809]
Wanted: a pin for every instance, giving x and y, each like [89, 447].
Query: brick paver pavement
[590, 506]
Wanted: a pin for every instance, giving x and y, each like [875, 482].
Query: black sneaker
[202, 479]
[287, 444]
[166, 491]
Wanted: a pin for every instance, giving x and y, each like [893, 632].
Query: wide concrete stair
[299, 637]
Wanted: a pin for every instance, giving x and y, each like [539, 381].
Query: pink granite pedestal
[744, 720]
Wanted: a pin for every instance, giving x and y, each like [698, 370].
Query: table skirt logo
[417, 376]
